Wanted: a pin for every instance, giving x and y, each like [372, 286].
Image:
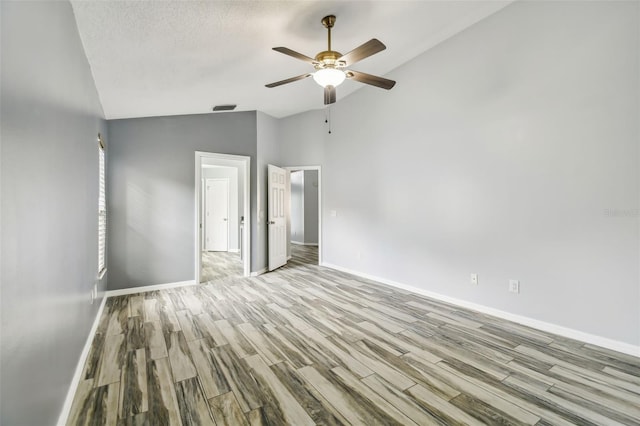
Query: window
[102, 211]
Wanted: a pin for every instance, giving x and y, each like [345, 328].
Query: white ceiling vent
[224, 107]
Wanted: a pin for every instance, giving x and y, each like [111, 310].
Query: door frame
[246, 234]
[319, 169]
[226, 180]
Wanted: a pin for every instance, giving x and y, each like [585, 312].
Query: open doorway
[305, 225]
[222, 216]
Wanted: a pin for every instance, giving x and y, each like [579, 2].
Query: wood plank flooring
[306, 345]
[220, 264]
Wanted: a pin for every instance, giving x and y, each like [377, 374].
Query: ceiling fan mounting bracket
[328, 21]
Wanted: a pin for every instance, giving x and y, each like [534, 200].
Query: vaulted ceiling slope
[157, 58]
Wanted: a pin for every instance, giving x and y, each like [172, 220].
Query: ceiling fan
[330, 65]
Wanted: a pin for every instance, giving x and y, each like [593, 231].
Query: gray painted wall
[303, 138]
[311, 206]
[151, 177]
[268, 153]
[511, 151]
[51, 116]
[297, 206]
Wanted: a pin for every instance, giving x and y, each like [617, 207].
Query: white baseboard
[75, 381]
[234, 250]
[593, 339]
[298, 243]
[133, 290]
[259, 272]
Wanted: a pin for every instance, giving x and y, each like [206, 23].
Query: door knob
[272, 223]
[225, 219]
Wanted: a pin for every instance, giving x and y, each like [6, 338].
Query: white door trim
[319, 169]
[246, 234]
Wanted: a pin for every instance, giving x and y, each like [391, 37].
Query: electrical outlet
[514, 286]
[474, 279]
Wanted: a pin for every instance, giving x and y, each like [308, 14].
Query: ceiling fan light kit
[329, 77]
[330, 64]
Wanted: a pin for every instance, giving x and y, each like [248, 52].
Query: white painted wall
[511, 151]
[297, 206]
[235, 194]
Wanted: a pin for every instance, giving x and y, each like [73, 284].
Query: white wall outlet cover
[514, 286]
[333, 213]
[474, 279]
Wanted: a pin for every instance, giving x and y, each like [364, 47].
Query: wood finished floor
[220, 264]
[308, 345]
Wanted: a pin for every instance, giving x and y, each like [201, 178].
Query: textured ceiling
[156, 58]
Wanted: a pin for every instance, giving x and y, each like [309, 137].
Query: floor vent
[224, 107]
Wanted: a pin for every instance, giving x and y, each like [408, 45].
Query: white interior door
[217, 215]
[278, 215]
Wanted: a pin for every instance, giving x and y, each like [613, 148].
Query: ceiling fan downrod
[328, 58]
[328, 22]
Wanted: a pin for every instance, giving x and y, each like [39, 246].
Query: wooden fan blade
[371, 47]
[329, 95]
[373, 80]
[295, 54]
[289, 80]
